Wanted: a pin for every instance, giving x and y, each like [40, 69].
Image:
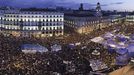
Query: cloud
[5, 2]
[51, 3]
[117, 3]
[32, 3]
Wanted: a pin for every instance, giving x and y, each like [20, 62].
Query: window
[50, 28]
[54, 20]
[43, 32]
[46, 28]
[46, 32]
[43, 24]
[60, 27]
[50, 32]
[46, 20]
[50, 24]
[46, 24]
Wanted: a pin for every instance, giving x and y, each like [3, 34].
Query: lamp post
[98, 13]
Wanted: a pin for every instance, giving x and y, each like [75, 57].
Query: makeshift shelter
[33, 48]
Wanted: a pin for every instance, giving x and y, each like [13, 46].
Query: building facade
[86, 24]
[32, 23]
[130, 19]
[86, 21]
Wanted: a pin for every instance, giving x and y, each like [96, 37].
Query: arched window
[57, 20]
[43, 29]
[46, 20]
[50, 20]
[50, 24]
[46, 24]
[46, 28]
[54, 20]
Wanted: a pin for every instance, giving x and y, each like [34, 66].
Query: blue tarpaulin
[33, 48]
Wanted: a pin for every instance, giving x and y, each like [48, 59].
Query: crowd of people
[14, 62]
[64, 62]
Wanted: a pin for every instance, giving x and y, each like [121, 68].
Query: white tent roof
[97, 39]
[33, 48]
[56, 47]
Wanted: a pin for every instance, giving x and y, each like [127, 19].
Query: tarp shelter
[95, 52]
[122, 51]
[123, 57]
[131, 49]
[97, 39]
[56, 47]
[108, 35]
[111, 49]
[71, 46]
[33, 48]
[97, 65]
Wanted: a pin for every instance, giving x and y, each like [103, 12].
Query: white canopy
[97, 39]
[33, 48]
[56, 47]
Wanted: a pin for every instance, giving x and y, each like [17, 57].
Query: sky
[120, 5]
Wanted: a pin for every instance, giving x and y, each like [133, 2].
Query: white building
[32, 23]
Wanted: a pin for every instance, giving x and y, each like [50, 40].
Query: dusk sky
[121, 5]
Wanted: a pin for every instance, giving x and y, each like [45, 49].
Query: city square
[62, 41]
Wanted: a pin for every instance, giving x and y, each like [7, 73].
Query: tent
[122, 51]
[97, 39]
[123, 57]
[108, 35]
[33, 48]
[56, 47]
[95, 52]
[131, 49]
[71, 46]
[110, 49]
